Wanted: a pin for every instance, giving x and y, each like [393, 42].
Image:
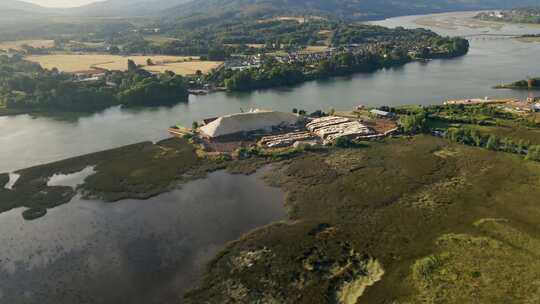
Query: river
[153, 251]
[133, 251]
[26, 141]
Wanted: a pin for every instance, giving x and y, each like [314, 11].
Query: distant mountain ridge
[20, 6]
[347, 9]
[125, 8]
[15, 10]
[218, 9]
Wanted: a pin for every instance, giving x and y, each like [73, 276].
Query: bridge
[488, 36]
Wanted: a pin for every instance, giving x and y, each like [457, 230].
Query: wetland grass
[136, 171]
[404, 196]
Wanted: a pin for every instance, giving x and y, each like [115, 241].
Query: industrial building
[248, 122]
[382, 114]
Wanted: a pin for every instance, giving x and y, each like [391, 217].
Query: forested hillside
[125, 8]
[211, 10]
[12, 10]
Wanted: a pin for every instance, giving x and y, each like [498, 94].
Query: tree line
[472, 137]
[27, 86]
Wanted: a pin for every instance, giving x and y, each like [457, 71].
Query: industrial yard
[271, 129]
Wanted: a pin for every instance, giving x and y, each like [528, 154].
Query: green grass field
[392, 203]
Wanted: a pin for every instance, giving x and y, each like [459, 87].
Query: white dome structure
[248, 122]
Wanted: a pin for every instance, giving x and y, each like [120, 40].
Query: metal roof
[246, 122]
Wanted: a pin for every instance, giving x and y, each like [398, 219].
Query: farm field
[6, 45]
[315, 49]
[185, 68]
[158, 40]
[71, 63]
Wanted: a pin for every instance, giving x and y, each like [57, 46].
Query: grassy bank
[387, 204]
[136, 171]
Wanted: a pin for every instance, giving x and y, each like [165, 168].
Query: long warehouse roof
[246, 122]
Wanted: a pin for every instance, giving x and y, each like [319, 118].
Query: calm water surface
[27, 141]
[131, 251]
[152, 251]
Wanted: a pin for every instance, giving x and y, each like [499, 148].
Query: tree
[295, 110]
[412, 124]
[507, 145]
[492, 143]
[149, 62]
[217, 54]
[521, 147]
[132, 67]
[114, 50]
[533, 153]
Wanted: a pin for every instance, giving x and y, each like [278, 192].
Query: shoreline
[4, 112]
[326, 204]
[513, 87]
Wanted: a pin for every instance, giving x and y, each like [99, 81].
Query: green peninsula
[439, 212]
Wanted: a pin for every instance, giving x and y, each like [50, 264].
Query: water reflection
[71, 180]
[132, 251]
[13, 177]
[489, 62]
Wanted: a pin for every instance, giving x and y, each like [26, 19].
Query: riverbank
[526, 84]
[370, 215]
[516, 87]
[138, 171]
[139, 251]
[369, 223]
[11, 112]
[118, 175]
[365, 221]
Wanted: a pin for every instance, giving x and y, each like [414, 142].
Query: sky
[60, 3]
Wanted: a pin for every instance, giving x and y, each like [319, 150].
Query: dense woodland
[26, 86]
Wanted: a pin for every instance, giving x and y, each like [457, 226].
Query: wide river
[139, 252]
[152, 251]
[26, 141]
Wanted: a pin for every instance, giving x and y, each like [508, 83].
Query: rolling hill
[210, 9]
[16, 5]
[347, 9]
[12, 9]
[125, 8]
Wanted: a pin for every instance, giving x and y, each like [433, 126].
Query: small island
[525, 84]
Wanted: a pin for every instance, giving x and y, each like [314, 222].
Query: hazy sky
[61, 3]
